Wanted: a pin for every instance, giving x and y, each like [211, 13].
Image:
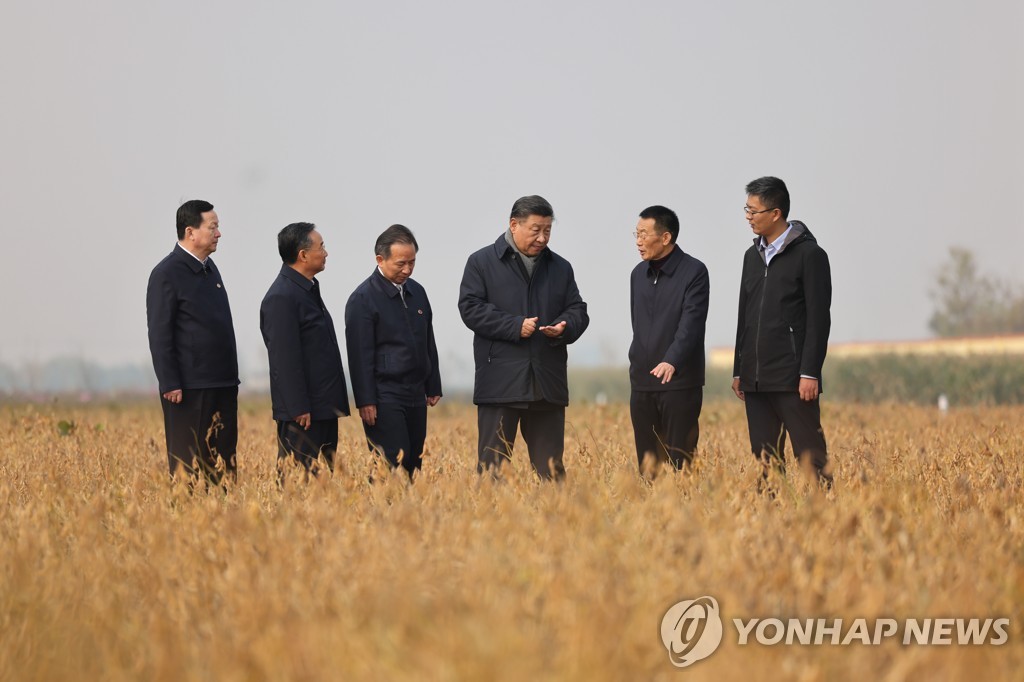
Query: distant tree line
[968, 303]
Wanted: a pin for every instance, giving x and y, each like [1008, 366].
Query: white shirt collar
[779, 241]
[397, 286]
[203, 260]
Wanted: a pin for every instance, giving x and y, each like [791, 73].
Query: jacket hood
[799, 232]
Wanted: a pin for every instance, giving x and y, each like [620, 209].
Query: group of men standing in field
[522, 303]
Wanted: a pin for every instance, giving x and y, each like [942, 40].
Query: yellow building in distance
[1008, 344]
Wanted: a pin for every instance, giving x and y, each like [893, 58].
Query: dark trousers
[771, 415]
[666, 424]
[543, 427]
[200, 429]
[398, 435]
[308, 446]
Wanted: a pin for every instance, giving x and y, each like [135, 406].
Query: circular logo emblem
[691, 630]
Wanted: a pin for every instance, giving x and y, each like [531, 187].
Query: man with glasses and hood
[782, 333]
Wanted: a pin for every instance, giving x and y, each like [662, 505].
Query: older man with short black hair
[192, 341]
[392, 356]
[668, 304]
[307, 379]
[521, 301]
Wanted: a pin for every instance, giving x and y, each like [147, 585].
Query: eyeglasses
[750, 211]
[645, 235]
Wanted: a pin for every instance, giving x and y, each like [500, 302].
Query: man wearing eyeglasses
[782, 333]
[192, 341]
[521, 301]
[668, 303]
[307, 380]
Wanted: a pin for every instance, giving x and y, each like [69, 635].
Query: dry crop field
[107, 572]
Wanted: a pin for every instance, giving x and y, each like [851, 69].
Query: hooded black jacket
[669, 311]
[784, 319]
[494, 299]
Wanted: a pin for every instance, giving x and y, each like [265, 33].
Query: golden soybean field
[108, 572]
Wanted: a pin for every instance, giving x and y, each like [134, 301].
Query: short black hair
[665, 220]
[772, 192]
[190, 214]
[396, 234]
[292, 239]
[531, 205]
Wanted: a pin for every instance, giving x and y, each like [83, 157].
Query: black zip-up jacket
[784, 319]
[669, 311]
[306, 374]
[495, 297]
[191, 336]
[392, 357]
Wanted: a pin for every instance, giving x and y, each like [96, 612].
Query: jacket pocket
[792, 341]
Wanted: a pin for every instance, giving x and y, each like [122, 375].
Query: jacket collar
[289, 273]
[191, 261]
[386, 286]
[672, 262]
[502, 248]
[797, 231]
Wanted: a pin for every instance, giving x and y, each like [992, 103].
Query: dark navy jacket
[191, 337]
[392, 357]
[669, 311]
[784, 320]
[306, 374]
[495, 297]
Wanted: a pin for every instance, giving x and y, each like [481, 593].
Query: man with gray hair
[392, 357]
[521, 301]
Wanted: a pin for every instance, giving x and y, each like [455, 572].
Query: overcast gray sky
[896, 124]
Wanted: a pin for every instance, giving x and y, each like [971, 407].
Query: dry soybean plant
[110, 572]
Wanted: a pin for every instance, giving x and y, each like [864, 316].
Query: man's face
[764, 223]
[651, 244]
[399, 265]
[315, 257]
[531, 234]
[203, 240]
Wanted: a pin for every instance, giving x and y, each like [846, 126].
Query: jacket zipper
[652, 306]
[757, 336]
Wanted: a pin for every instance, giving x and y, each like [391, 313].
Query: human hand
[664, 371]
[433, 400]
[173, 396]
[303, 420]
[368, 413]
[554, 331]
[736, 389]
[529, 327]
[808, 389]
